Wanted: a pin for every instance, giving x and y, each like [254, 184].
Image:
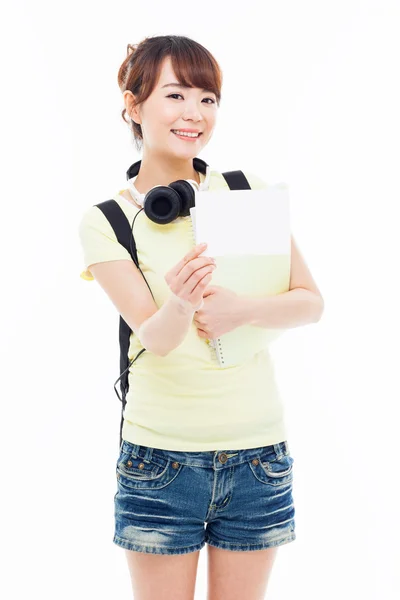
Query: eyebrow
[179, 85]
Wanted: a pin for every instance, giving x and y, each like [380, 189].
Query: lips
[200, 132]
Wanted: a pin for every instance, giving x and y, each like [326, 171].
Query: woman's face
[170, 108]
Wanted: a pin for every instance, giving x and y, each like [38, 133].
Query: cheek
[168, 115]
[210, 128]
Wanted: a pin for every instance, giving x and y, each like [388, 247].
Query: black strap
[120, 224]
[236, 180]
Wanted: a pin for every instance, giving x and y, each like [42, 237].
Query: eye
[212, 101]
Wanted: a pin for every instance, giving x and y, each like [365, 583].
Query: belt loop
[278, 451]
[148, 454]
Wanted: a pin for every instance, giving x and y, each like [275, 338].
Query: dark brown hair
[193, 65]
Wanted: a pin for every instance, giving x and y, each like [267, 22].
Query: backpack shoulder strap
[123, 232]
[236, 180]
[120, 224]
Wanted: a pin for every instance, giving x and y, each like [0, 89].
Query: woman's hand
[189, 277]
[220, 314]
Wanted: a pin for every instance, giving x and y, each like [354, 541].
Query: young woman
[204, 456]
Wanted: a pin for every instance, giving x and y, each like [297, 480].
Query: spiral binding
[214, 345]
[218, 350]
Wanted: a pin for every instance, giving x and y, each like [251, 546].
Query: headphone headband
[198, 164]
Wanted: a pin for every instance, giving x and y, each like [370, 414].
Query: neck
[163, 172]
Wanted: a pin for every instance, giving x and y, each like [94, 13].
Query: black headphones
[165, 203]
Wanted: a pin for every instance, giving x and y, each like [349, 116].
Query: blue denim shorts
[173, 502]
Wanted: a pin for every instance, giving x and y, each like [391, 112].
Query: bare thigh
[238, 575]
[166, 576]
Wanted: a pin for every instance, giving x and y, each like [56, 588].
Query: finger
[193, 253]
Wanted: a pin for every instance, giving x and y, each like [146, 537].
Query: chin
[190, 152]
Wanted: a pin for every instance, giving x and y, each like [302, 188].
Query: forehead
[167, 75]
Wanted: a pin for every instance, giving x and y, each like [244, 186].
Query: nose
[193, 113]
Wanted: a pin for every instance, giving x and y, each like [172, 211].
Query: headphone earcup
[186, 194]
[162, 204]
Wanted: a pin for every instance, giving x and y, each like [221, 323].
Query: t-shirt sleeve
[98, 240]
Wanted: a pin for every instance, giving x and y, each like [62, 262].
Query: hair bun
[130, 49]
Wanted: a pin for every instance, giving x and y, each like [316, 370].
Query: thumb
[208, 291]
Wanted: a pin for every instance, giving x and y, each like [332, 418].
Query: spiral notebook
[248, 233]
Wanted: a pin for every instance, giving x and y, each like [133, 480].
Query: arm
[166, 329]
[302, 304]
[287, 310]
[159, 330]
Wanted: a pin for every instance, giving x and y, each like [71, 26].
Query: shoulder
[255, 181]
[91, 217]
[94, 220]
[99, 241]
[94, 229]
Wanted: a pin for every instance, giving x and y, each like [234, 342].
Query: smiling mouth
[188, 136]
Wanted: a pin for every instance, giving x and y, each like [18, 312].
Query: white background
[310, 97]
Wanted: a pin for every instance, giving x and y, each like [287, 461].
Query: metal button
[223, 457]
[175, 465]
[141, 466]
[255, 461]
[129, 463]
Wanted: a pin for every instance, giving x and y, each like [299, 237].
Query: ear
[131, 109]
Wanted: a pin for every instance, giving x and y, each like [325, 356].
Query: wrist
[183, 305]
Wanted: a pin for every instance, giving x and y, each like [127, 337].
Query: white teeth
[185, 133]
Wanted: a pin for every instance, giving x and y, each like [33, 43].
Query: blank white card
[239, 222]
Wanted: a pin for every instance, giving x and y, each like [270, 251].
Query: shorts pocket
[135, 472]
[272, 468]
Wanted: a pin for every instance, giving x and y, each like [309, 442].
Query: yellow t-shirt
[185, 400]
